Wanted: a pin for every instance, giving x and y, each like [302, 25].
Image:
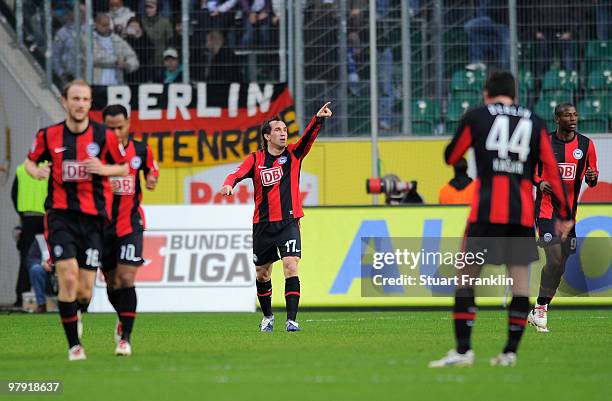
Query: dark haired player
[577, 161]
[82, 154]
[275, 171]
[123, 237]
[508, 141]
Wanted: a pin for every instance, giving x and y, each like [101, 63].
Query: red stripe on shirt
[500, 199]
[527, 203]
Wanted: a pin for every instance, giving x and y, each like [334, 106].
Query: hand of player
[227, 190]
[563, 227]
[325, 111]
[151, 182]
[93, 165]
[42, 172]
[45, 265]
[545, 187]
[590, 174]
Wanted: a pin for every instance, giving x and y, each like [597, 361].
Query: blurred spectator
[278, 7]
[137, 38]
[158, 29]
[488, 32]
[65, 48]
[167, 8]
[459, 190]
[221, 64]
[214, 15]
[173, 69]
[28, 196]
[553, 26]
[256, 18]
[603, 9]
[355, 61]
[112, 56]
[120, 15]
[40, 272]
[385, 64]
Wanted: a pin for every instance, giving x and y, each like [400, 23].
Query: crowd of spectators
[139, 41]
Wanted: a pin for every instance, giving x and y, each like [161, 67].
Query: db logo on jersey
[567, 171]
[271, 176]
[73, 170]
[125, 185]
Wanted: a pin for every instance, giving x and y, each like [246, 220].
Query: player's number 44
[499, 139]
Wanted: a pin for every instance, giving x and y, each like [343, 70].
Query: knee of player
[125, 279]
[263, 275]
[290, 265]
[84, 294]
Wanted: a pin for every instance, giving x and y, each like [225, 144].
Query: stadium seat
[545, 108]
[598, 55]
[425, 115]
[594, 116]
[599, 87]
[467, 81]
[560, 83]
[456, 108]
[526, 85]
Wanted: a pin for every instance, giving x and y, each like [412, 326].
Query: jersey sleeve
[114, 152]
[591, 163]
[550, 173]
[245, 170]
[150, 165]
[301, 148]
[461, 142]
[39, 152]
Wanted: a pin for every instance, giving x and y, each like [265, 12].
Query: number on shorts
[93, 257]
[128, 252]
[291, 246]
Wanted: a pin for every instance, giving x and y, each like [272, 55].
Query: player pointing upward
[275, 171]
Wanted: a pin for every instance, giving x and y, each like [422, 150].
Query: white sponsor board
[203, 187]
[197, 259]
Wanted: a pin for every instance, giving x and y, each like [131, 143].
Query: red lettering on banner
[155, 262]
[200, 192]
[567, 171]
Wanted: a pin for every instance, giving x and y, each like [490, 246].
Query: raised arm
[301, 148]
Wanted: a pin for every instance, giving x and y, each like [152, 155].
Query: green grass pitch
[337, 356]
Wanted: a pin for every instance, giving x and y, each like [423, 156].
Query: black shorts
[502, 244]
[271, 238]
[75, 235]
[547, 237]
[126, 250]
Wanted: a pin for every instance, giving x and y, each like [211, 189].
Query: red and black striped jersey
[573, 158]
[127, 215]
[508, 142]
[71, 187]
[276, 179]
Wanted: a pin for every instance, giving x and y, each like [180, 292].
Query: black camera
[396, 191]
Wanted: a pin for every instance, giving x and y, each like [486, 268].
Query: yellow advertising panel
[330, 270]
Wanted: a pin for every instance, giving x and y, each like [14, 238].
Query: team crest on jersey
[58, 250]
[547, 237]
[93, 149]
[577, 154]
[282, 160]
[136, 162]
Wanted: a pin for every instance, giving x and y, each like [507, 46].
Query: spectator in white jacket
[119, 14]
[112, 56]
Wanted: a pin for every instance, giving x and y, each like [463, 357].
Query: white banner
[197, 259]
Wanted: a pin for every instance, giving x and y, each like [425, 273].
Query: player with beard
[82, 154]
[275, 171]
